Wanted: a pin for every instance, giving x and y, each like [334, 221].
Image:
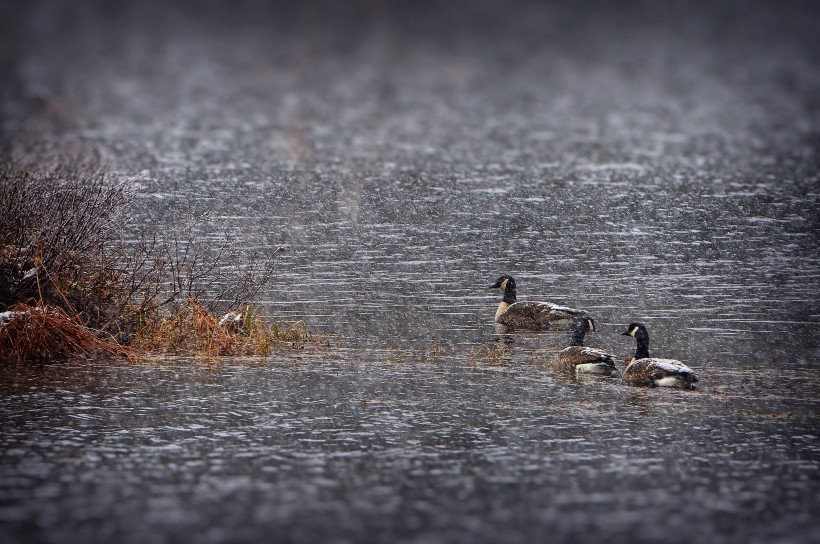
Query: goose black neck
[642, 349]
[509, 293]
[578, 335]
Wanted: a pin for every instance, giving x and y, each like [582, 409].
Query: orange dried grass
[196, 332]
[494, 353]
[36, 333]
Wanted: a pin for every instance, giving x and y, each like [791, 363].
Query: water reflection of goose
[531, 314]
[577, 358]
[646, 371]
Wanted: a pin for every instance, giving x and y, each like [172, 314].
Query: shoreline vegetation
[79, 279]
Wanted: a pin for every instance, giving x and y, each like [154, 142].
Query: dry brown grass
[495, 353]
[432, 352]
[193, 331]
[39, 333]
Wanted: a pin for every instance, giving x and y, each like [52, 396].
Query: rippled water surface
[644, 164]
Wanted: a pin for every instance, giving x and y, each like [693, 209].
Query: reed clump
[495, 353]
[193, 330]
[432, 352]
[41, 333]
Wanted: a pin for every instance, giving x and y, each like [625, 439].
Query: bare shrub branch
[55, 228]
[62, 246]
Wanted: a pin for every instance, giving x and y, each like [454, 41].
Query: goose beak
[494, 286]
[626, 333]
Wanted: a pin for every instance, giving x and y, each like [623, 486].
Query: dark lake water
[644, 163]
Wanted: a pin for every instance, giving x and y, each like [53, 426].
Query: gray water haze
[645, 161]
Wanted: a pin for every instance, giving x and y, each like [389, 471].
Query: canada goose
[643, 370]
[531, 314]
[577, 358]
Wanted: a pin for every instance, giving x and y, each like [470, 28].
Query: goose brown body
[531, 314]
[579, 358]
[647, 371]
[650, 372]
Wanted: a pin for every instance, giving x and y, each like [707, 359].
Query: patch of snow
[230, 318]
[593, 352]
[671, 365]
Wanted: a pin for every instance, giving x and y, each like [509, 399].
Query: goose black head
[636, 330]
[507, 283]
[584, 323]
[641, 335]
[503, 282]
